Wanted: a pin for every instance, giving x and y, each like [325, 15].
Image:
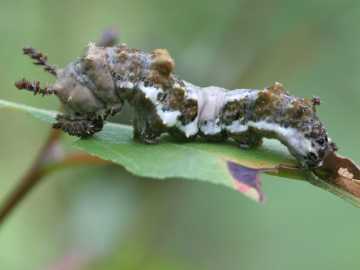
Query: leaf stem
[31, 177]
[44, 165]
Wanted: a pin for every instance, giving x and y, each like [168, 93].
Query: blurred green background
[104, 218]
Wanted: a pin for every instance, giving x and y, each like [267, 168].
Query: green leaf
[43, 115]
[217, 163]
[198, 161]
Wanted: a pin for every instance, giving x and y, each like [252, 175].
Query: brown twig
[38, 171]
[31, 177]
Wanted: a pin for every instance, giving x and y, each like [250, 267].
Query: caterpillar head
[73, 85]
[321, 146]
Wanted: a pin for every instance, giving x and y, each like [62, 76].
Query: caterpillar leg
[145, 133]
[82, 128]
[247, 139]
[147, 128]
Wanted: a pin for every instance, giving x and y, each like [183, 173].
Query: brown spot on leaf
[246, 180]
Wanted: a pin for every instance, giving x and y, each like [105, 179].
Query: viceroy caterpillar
[96, 86]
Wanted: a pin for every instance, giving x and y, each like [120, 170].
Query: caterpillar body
[96, 85]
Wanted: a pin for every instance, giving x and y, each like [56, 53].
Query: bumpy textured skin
[96, 86]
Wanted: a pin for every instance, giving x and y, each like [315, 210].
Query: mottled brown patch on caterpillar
[277, 88]
[161, 67]
[300, 110]
[172, 99]
[265, 104]
[249, 139]
[162, 62]
[176, 98]
[232, 111]
[189, 111]
[122, 54]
